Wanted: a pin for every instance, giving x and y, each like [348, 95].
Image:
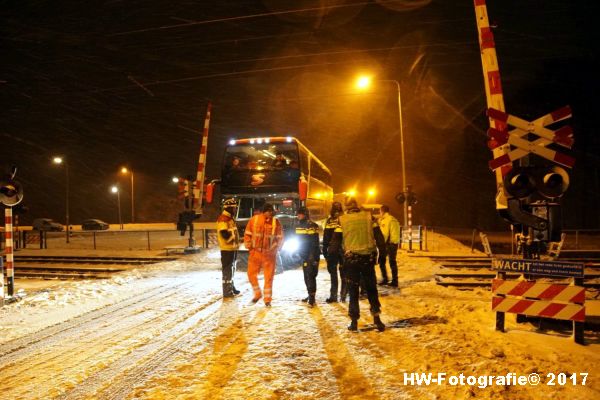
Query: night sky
[115, 83]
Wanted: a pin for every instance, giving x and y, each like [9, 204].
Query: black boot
[227, 292]
[331, 299]
[353, 325]
[234, 290]
[380, 325]
[393, 283]
[311, 300]
[305, 300]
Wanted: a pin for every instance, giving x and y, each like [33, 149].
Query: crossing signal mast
[192, 191]
[528, 194]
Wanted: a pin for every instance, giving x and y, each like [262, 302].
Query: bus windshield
[266, 156]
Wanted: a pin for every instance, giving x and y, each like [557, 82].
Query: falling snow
[164, 332]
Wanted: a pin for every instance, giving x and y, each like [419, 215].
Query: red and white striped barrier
[8, 250]
[199, 184]
[493, 92]
[548, 300]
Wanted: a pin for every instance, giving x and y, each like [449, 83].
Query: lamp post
[372, 193]
[124, 170]
[58, 161]
[115, 189]
[364, 82]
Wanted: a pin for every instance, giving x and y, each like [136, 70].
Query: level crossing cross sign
[523, 147]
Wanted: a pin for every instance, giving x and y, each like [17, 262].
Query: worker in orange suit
[263, 238]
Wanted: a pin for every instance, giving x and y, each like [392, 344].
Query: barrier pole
[410, 228]
[578, 334]
[8, 250]
[1, 282]
[500, 315]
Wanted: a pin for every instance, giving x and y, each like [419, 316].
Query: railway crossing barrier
[539, 299]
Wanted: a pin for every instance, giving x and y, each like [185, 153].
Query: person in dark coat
[308, 236]
[333, 253]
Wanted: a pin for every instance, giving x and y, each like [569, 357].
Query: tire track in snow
[216, 338]
[116, 330]
[55, 335]
[151, 360]
[93, 353]
[53, 331]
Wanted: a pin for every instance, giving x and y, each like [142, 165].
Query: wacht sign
[538, 267]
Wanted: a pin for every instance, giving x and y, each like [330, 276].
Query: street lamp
[115, 189]
[364, 82]
[124, 170]
[372, 192]
[58, 161]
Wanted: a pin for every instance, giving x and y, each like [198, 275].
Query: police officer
[333, 252]
[390, 228]
[308, 236]
[229, 243]
[359, 261]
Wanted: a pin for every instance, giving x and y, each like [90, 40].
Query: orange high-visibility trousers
[266, 261]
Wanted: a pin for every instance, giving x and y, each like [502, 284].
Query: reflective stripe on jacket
[263, 235]
[225, 222]
[308, 235]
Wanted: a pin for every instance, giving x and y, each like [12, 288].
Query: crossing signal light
[553, 183]
[519, 182]
[550, 182]
[400, 198]
[185, 219]
[411, 198]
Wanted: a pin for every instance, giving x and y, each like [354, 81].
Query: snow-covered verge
[192, 345]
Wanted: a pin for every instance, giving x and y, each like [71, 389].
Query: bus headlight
[291, 245]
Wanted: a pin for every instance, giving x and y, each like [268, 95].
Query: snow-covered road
[165, 333]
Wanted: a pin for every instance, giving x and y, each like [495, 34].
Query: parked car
[94, 225]
[46, 224]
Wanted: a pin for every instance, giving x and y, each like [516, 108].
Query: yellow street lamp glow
[114, 189]
[372, 192]
[124, 170]
[57, 160]
[351, 193]
[363, 82]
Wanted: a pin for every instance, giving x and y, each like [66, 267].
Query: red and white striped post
[199, 184]
[409, 216]
[8, 250]
[1, 283]
[493, 92]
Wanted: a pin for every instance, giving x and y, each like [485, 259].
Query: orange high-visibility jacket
[262, 235]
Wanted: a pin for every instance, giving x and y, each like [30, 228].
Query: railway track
[77, 267]
[91, 259]
[471, 272]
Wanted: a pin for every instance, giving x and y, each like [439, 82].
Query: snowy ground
[164, 332]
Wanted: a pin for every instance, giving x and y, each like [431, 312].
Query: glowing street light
[59, 161]
[115, 189]
[372, 192]
[364, 82]
[124, 170]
